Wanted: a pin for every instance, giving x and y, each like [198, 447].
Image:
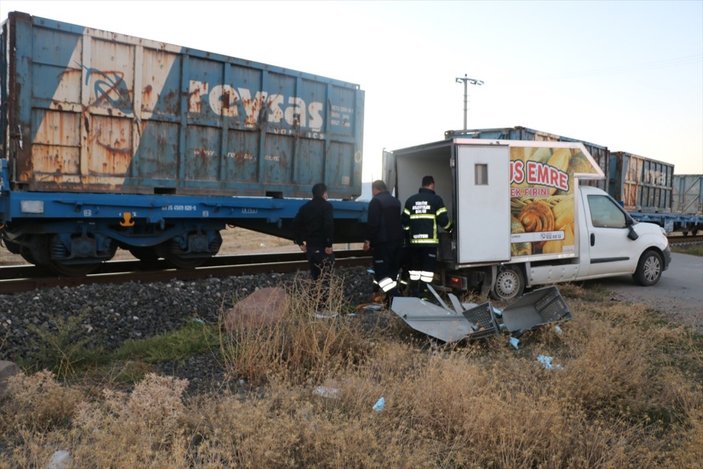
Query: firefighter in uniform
[384, 236]
[422, 216]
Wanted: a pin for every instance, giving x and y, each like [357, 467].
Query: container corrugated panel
[89, 110]
[640, 183]
[687, 195]
[599, 153]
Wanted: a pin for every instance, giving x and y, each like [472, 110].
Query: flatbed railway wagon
[108, 141]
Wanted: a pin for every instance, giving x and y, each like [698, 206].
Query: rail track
[16, 279]
[19, 278]
[685, 239]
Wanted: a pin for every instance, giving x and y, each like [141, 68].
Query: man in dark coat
[384, 236]
[314, 231]
[423, 215]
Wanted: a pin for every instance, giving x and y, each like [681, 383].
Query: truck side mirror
[631, 233]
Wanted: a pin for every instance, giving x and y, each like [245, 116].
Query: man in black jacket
[314, 230]
[384, 236]
[423, 214]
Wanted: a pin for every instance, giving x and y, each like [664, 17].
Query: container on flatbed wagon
[598, 153]
[687, 194]
[85, 110]
[641, 184]
[522, 217]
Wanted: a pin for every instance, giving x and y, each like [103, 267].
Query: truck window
[605, 213]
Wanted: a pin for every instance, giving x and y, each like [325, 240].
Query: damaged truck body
[521, 217]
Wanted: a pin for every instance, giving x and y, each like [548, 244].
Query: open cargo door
[388, 170]
[483, 201]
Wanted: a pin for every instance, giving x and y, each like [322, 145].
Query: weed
[628, 394]
[692, 249]
[195, 337]
[62, 347]
[310, 341]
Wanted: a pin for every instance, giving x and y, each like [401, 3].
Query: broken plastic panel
[535, 309]
[532, 310]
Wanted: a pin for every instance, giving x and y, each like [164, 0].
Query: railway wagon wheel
[181, 259]
[60, 262]
[23, 251]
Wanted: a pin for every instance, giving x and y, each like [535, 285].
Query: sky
[623, 74]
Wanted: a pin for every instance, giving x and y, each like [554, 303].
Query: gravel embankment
[111, 314]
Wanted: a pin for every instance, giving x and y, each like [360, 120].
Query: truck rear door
[483, 202]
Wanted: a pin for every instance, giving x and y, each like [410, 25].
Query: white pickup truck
[522, 219]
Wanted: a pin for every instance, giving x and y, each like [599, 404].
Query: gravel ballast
[111, 314]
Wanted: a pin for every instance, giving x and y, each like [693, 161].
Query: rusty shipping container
[85, 110]
[639, 183]
[687, 195]
[598, 152]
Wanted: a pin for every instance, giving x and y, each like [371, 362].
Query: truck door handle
[593, 239]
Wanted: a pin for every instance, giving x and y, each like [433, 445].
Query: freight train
[646, 188]
[109, 141]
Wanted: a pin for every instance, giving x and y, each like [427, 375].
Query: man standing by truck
[423, 214]
[314, 231]
[384, 236]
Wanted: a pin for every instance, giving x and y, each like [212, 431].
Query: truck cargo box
[640, 183]
[687, 194]
[85, 110]
[511, 200]
[598, 153]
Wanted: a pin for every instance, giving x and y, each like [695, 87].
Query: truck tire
[510, 283]
[649, 268]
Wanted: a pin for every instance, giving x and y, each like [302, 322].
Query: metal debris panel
[531, 310]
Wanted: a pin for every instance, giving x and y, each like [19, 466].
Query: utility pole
[466, 80]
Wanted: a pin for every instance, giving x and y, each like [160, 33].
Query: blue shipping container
[85, 110]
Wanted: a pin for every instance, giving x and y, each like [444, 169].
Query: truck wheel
[649, 268]
[510, 283]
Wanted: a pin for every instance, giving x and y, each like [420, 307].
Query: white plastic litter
[60, 460]
[379, 405]
[547, 362]
[326, 391]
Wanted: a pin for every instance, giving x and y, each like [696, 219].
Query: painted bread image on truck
[542, 183]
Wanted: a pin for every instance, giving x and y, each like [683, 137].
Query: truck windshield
[605, 213]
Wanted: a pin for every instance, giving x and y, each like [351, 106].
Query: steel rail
[16, 279]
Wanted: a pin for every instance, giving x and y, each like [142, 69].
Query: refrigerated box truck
[522, 218]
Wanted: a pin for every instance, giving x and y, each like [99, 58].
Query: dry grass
[628, 394]
[300, 347]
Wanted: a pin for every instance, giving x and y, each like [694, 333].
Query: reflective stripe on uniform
[424, 241]
[418, 216]
[426, 276]
[387, 284]
[414, 274]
